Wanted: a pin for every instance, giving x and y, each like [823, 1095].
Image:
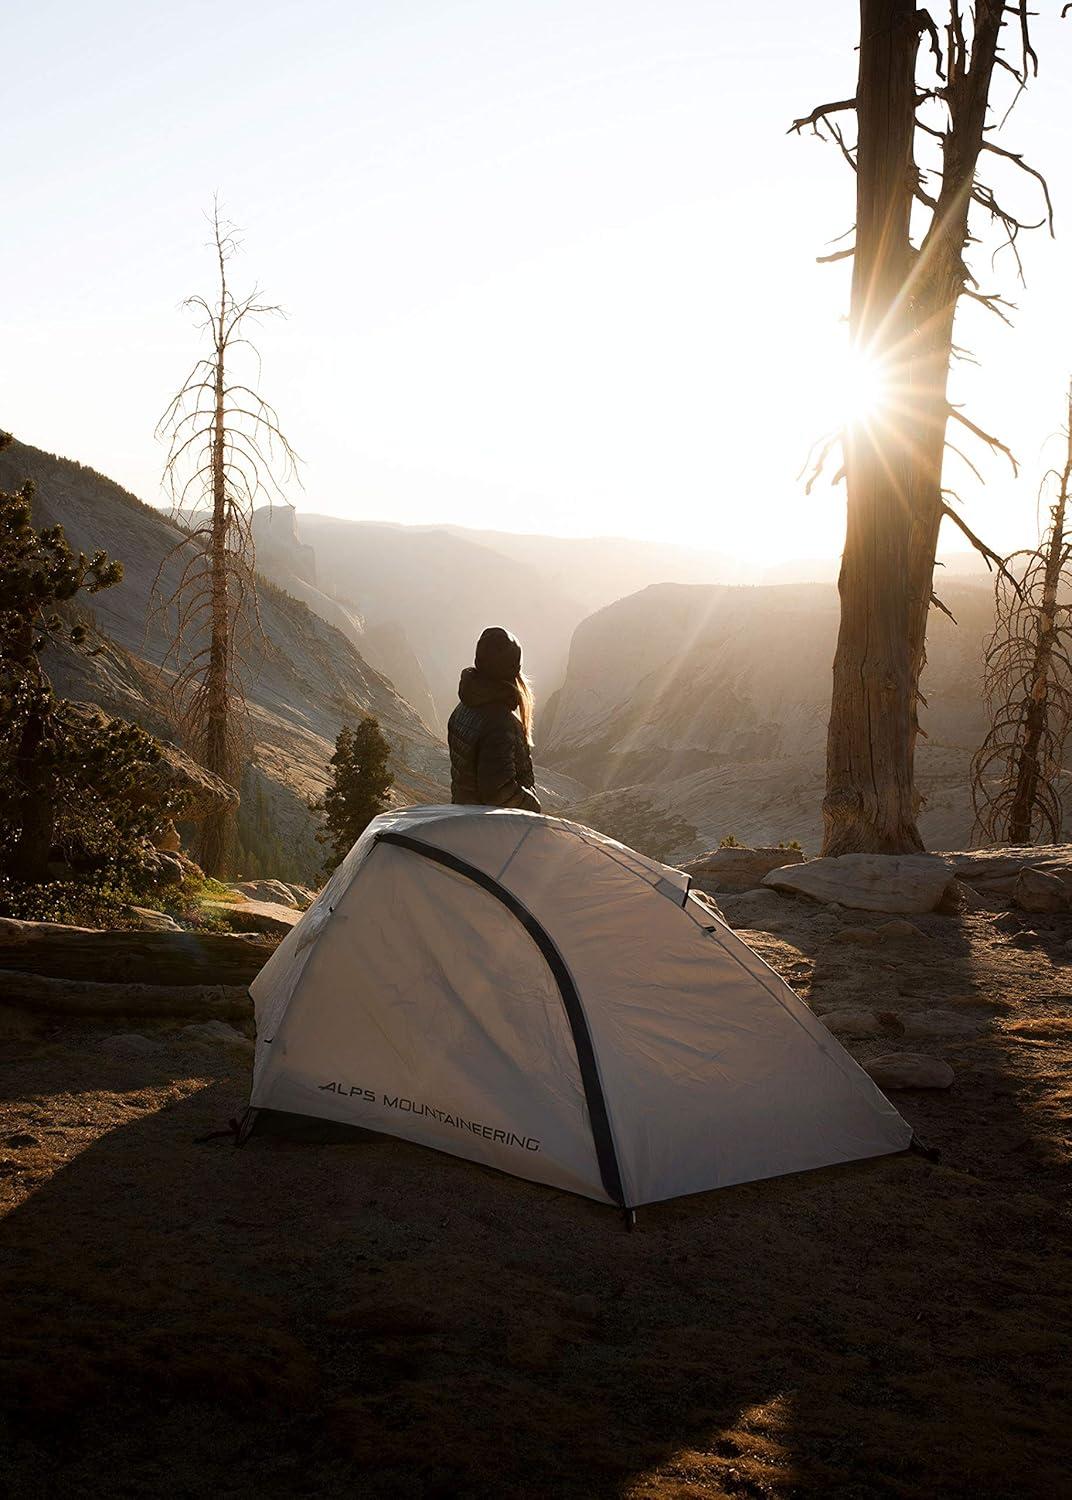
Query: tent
[527, 993]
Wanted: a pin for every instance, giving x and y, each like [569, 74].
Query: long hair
[526, 704]
[498, 655]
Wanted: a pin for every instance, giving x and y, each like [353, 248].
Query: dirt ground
[373, 1319]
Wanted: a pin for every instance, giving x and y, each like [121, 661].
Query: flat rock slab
[738, 869]
[256, 916]
[910, 1070]
[869, 882]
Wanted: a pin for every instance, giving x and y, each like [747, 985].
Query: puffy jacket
[490, 760]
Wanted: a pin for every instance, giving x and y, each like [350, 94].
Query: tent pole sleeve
[602, 1137]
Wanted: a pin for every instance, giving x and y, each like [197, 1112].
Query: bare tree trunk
[903, 305]
[869, 800]
[217, 748]
[226, 439]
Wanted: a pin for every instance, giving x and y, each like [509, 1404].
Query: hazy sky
[548, 266]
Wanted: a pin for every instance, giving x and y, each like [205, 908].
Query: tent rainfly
[530, 994]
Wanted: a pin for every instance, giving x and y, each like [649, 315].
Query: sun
[863, 387]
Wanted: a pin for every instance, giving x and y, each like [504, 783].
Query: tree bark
[870, 802]
[902, 310]
[216, 752]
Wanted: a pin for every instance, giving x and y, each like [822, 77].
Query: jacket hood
[476, 690]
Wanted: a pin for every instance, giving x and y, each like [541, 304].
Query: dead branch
[986, 437]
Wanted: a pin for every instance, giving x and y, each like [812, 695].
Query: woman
[490, 732]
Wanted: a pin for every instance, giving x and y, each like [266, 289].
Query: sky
[547, 266]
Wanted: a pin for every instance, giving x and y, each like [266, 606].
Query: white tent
[529, 994]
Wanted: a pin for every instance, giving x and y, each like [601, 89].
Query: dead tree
[226, 448]
[914, 222]
[1017, 773]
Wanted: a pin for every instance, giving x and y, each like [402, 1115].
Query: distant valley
[672, 710]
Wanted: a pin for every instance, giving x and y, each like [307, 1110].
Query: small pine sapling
[359, 790]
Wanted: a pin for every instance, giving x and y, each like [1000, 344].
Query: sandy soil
[372, 1319]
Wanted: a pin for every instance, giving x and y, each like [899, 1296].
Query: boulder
[268, 917]
[277, 892]
[910, 1070]
[994, 871]
[1038, 890]
[848, 1021]
[869, 882]
[737, 869]
[152, 921]
[706, 899]
[759, 910]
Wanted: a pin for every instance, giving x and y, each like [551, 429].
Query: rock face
[910, 1070]
[304, 677]
[711, 702]
[738, 869]
[870, 882]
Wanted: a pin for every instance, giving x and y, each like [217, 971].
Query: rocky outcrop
[279, 891]
[738, 869]
[711, 703]
[869, 882]
[1033, 878]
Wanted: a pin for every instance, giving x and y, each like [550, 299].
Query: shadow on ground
[190, 1319]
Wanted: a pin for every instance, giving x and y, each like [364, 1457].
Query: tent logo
[442, 1116]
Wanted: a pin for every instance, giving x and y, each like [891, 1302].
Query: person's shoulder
[467, 717]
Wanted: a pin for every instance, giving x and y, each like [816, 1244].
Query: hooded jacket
[490, 759]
